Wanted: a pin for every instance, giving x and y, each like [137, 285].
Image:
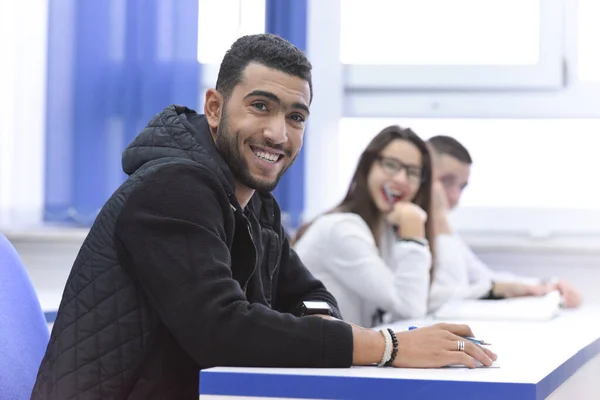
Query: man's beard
[229, 147]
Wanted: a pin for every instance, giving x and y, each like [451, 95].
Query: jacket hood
[177, 132]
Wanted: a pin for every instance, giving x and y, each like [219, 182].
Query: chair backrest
[23, 330]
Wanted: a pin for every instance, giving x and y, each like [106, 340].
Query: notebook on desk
[518, 309]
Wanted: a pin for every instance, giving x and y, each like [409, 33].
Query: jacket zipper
[255, 254]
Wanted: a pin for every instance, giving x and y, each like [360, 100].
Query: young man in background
[459, 273]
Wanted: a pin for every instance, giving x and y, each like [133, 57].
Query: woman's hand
[409, 218]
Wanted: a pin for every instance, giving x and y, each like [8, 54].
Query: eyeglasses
[391, 166]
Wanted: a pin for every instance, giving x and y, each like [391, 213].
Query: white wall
[23, 27]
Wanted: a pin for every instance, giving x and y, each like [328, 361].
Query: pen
[469, 338]
[390, 199]
[388, 194]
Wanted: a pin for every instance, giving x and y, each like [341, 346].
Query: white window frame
[575, 100]
[546, 74]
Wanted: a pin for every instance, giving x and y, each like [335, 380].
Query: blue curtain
[112, 65]
[287, 18]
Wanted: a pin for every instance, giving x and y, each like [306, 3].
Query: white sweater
[459, 274]
[340, 250]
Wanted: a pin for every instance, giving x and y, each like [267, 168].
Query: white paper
[539, 308]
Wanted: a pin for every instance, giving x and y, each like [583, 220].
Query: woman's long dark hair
[358, 199]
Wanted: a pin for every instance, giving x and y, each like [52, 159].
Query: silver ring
[461, 345]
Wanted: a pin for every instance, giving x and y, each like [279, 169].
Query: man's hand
[571, 298]
[439, 200]
[440, 209]
[434, 346]
[437, 346]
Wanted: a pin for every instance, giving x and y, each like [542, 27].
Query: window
[546, 165]
[440, 32]
[461, 44]
[221, 22]
[23, 27]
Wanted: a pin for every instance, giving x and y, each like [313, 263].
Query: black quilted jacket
[174, 277]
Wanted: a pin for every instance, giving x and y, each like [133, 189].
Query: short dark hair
[267, 49]
[452, 147]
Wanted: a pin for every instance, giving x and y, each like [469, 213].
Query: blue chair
[23, 330]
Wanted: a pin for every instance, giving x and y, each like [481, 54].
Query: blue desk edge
[327, 387]
[346, 387]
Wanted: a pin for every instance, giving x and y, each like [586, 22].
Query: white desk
[558, 359]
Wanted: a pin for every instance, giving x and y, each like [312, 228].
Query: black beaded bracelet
[394, 349]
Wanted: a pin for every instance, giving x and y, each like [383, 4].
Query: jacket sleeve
[172, 233]
[297, 284]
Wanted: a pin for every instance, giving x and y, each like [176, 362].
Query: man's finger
[473, 350]
[571, 299]
[562, 286]
[457, 329]
[490, 354]
[460, 358]
[454, 346]
[477, 353]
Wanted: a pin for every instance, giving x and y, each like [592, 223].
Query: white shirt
[459, 274]
[340, 250]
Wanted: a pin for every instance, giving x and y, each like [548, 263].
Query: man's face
[454, 176]
[262, 126]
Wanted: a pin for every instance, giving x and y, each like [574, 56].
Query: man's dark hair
[452, 147]
[266, 49]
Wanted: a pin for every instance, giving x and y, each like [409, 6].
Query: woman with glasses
[372, 251]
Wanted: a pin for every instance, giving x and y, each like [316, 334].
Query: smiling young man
[187, 265]
[459, 273]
